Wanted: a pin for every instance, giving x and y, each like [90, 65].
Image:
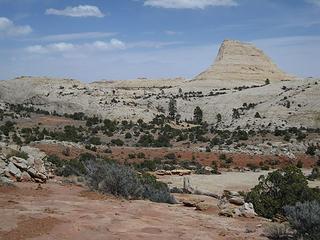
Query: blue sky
[125, 39]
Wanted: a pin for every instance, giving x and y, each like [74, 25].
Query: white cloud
[112, 45]
[51, 48]
[316, 2]
[96, 46]
[63, 47]
[189, 4]
[78, 11]
[171, 33]
[152, 44]
[8, 28]
[76, 36]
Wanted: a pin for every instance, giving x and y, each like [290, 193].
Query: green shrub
[55, 160]
[131, 155]
[128, 135]
[18, 154]
[214, 167]
[305, 219]
[117, 142]
[141, 155]
[170, 156]
[311, 150]
[252, 166]
[95, 141]
[278, 231]
[315, 174]
[155, 191]
[299, 164]
[280, 188]
[123, 181]
[265, 168]
[147, 165]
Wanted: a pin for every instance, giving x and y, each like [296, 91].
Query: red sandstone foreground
[72, 212]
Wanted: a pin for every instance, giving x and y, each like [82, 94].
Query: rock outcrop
[13, 168]
[242, 61]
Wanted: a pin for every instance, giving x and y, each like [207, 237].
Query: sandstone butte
[242, 61]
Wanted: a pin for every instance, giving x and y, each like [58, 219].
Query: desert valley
[232, 152]
[206, 140]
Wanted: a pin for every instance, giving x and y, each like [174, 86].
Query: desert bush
[315, 174]
[278, 231]
[95, 141]
[222, 156]
[19, 154]
[145, 140]
[280, 188]
[117, 142]
[299, 164]
[311, 150]
[305, 219]
[123, 181]
[128, 135]
[72, 167]
[55, 160]
[112, 179]
[7, 128]
[214, 167]
[147, 165]
[265, 168]
[162, 141]
[156, 191]
[131, 155]
[252, 166]
[257, 115]
[170, 156]
[66, 151]
[141, 155]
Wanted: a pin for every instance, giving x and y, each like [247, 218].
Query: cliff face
[242, 61]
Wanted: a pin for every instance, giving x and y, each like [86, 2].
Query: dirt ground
[71, 212]
[205, 158]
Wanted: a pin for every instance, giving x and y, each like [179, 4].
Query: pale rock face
[14, 170]
[242, 61]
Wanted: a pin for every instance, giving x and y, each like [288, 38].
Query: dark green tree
[197, 115]
[172, 108]
[280, 188]
[219, 117]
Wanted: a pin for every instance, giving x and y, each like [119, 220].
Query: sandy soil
[71, 212]
[234, 181]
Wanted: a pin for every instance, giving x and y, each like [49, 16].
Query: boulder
[35, 174]
[246, 210]
[19, 162]
[230, 194]
[2, 166]
[5, 181]
[236, 200]
[39, 165]
[191, 202]
[227, 212]
[14, 170]
[203, 206]
[25, 177]
[33, 152]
